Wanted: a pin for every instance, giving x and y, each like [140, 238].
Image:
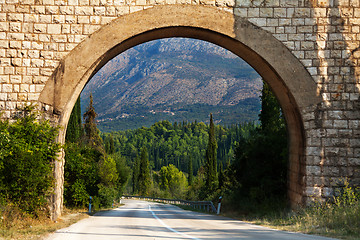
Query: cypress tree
[157, 157]
[190, 170]
[74, 129]
[109, 144]
[92, 136]
[211, 160]
[136, 170]
[221, 176]
[144, 181]
[270, 117]
[260, 161]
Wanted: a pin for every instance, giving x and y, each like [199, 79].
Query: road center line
[173, 230]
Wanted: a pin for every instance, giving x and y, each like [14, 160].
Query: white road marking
[171, 229]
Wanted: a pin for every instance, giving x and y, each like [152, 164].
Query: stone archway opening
[287, 77]
[288, 104]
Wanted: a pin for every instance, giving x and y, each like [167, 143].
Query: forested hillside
[176, 80]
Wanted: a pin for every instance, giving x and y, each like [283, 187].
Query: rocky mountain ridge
[171, 75]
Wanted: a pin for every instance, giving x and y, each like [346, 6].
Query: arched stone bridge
[307, 50]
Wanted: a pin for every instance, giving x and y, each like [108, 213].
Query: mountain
[176, 79]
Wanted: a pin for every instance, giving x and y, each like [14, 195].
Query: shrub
[81, 174]
[173, 181]
[79, 195]
[27, 152]
[107, 195]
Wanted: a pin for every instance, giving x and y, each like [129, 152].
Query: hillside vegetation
[176, 80]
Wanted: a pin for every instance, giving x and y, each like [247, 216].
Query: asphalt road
[148, 220]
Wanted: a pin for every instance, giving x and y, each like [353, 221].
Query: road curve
[148, 220]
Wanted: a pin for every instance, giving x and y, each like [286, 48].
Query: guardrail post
[219, 205]
[90, 198]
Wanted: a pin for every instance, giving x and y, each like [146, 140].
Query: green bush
[107, 195]
[173, 181]
[27, 153]
[79, 195]
[81, 170]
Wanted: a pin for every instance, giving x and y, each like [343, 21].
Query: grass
[339, 218]
[15, 226]
[326, 219]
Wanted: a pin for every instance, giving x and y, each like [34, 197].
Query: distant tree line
[176, 143]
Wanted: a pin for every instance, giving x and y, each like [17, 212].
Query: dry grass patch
[24, 228]
[339, 218]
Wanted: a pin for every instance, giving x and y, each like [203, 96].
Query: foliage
[79, 195]
[89, 169]
[190, 171]
[177, 144]
[81, 167]
[339, 217]
[75, 129]
[259, 170]
[123, 172]
[144, 180]
[27, 152]
[173, 181]
[211, 159]
[107, 195]
[196, 190]
[109, 145]
[92, 137]
[136, 172]
[108, 172]
[221, 176]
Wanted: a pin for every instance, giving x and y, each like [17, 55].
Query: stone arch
[289, 80]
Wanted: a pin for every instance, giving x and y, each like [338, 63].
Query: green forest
[185, 160]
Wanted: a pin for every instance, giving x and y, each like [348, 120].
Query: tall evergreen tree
[109, 144]
[136, 171]
[211, 160]
[74, 129]
[190, 170]
[270, 117]
[92, 136]
[221, 176]
[260, 161]
[144, 181]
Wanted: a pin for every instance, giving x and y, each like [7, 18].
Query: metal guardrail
[199, 205]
